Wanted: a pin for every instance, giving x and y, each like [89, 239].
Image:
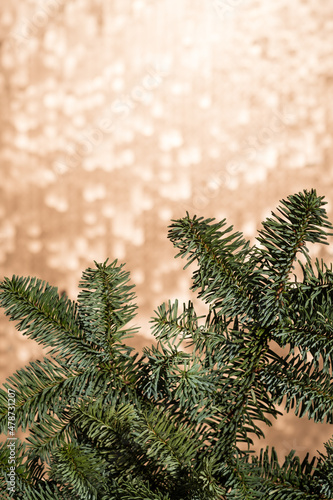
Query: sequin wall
[117, 116]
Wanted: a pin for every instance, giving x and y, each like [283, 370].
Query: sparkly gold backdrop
[118, 115]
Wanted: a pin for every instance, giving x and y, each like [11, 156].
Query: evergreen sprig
[177, 423]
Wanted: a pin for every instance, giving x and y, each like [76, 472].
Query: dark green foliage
[175, 423]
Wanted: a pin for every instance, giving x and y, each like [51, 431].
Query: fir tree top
[108, 424]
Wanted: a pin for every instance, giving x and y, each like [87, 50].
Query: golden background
[119, 115]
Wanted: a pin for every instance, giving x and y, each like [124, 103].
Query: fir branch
[41, 314]
[302, 219]
[221, 258]
[302, 386]
[105, 305]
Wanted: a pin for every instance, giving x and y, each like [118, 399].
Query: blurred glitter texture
[118, 116]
